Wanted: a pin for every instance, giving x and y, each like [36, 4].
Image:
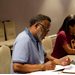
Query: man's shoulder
[22, 37]
[23, 34]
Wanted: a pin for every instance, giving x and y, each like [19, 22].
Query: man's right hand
[48, 66]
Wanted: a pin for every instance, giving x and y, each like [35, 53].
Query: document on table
[70, 69]
[58, 67]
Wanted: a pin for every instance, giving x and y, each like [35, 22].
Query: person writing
[28, 52]
[65, 40]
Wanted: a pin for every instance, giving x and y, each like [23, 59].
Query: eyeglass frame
[45, 28]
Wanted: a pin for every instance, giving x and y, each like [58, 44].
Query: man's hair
[38, 18]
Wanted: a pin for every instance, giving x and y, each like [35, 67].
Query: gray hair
[38, 18]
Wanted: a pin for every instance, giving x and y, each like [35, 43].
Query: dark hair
[38, 18]
[69, 21]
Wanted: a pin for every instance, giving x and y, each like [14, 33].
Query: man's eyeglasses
[45, 28]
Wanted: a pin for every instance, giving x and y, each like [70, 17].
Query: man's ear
[36, 25]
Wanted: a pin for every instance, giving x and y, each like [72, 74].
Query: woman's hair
[69, 21]
[38, 18]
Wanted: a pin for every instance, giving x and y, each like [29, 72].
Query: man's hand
[49, 66]
[65, 61]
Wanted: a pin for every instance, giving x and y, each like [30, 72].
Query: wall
[20, 12]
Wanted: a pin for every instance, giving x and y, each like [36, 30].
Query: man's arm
[27, 68]
[64, 61]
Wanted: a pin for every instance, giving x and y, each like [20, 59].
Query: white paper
[70, 70]
[60, 67]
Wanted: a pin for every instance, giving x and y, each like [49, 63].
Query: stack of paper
[70, 69]
[60, 67]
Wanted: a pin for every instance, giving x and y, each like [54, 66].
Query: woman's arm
[68, 49]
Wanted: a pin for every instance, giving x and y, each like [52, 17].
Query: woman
[65, 41]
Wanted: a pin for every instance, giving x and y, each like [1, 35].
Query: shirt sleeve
[21, 51]
[62, 38]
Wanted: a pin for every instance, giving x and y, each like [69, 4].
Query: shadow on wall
[65, 4]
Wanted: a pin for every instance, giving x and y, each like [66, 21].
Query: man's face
[43, 29]
[39, 34]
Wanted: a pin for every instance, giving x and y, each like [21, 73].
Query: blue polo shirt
[25, 50]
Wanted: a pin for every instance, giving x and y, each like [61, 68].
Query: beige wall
[20, 11]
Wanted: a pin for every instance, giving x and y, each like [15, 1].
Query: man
[28, 52]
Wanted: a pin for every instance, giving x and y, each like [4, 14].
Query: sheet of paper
[60, 67]
[70, 70]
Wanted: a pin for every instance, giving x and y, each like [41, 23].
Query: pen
[46, 59]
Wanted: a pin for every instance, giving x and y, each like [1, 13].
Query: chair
[47, 44]
[2, 35]
[5, 60]
[53, 37]
[10, 30]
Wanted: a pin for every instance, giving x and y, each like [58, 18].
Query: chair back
[5, 60]
[2, 35]
[53, 37]
[47, 44]
[10, 30]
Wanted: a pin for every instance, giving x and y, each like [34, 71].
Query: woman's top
[63, 38]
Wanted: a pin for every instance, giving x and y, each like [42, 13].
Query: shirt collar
[29, 33]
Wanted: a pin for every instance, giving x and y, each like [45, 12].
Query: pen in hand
[46, 60]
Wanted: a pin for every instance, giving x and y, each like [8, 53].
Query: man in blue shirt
[28, 52]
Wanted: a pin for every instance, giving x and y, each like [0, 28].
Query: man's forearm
[56, 61]
[49, 57]
[25, 68]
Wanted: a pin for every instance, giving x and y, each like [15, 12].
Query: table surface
[72, 57]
